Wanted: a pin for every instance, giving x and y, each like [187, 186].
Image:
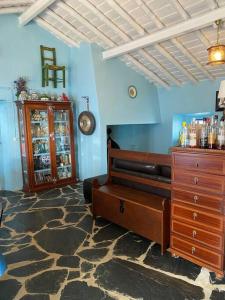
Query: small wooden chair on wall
[50, 68]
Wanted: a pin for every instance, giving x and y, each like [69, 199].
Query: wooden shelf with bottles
[47, 144]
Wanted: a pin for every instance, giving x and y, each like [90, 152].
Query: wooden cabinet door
[63, 143]
[39, 133]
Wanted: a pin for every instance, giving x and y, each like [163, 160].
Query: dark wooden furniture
[143, 212]
[47, 144]
[197, 208]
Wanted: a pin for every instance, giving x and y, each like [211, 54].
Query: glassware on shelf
[63, 145]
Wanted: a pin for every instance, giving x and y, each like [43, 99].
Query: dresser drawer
[199, 181]
[207, 201]
[197, 218]
[199, 235]
[197, 162]
[196, 251]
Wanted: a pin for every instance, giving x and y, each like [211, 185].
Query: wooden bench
[143, 212]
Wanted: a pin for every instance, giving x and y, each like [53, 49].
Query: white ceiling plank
[56, 32]
[34, 10]
[87, 24]
[146, 71]
[175, 62]
[66, 24]
[108, 41]
[152, 60]
[125, 37]
[179, 45]
[126, 16]
[7, 3]
[12, 10]
[167, 33]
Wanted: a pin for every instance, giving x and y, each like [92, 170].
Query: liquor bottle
[204, 135]
[212, 134]
[193, 134]
[221, 135]
[183, 135]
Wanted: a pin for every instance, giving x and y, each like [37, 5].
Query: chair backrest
[48, 55]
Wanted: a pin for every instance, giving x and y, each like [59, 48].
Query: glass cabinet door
[40, 146]
[62, 144]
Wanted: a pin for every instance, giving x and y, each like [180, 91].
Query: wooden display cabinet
[47, 144]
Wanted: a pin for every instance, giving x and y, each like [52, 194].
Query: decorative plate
[86, 122]
[132, 91]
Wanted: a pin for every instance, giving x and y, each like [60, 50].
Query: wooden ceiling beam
[12, 10]
[70, 42]
[164, 34]
[34, 10]
[8, 3]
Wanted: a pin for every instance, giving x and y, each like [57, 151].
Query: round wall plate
[132, 91]
[86, 122]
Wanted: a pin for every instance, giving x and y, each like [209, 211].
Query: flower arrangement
[20, 85]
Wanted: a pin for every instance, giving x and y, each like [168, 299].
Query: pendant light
[216, 54]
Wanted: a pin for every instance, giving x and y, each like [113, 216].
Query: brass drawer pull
[192, 250]
[196, 180]
[196, 198]
[194, 233]
[195, 215]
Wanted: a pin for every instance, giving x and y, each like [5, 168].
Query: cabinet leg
[174, 255]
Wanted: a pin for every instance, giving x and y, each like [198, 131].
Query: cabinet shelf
[41, 154]
[63, 167]
[40, 138]
[42, 170]
[39, 122]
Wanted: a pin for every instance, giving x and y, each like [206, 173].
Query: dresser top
[198, 150]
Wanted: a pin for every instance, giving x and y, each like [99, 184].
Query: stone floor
[54, 250]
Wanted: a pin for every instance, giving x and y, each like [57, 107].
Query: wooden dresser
[197, 210]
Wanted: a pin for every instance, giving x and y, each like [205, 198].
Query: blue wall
[20, 56]
[106, 84]
[190, 98]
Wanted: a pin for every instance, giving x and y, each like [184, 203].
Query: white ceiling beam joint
[56, 32]
[126, 16]
[167, 33]
[8, 3]
[34, 10]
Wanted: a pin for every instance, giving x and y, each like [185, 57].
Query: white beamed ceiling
[111, 23]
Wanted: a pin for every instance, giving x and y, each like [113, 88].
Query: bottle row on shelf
[208, 134]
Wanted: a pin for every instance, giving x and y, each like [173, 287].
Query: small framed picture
[220, 103]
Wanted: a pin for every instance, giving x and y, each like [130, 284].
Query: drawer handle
[196, 198]
[196, 164]
[195, 215]
[121, 206]
[194, 233]
[193, 250]
[196, 180]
